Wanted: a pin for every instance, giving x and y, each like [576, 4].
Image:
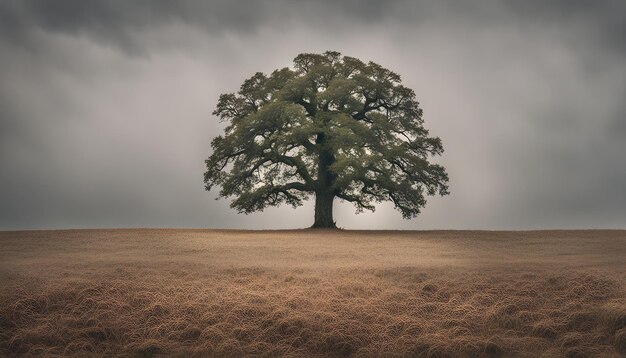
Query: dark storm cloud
[604, 16]
[105, 105]
[118, 22]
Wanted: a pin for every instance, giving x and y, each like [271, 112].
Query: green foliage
[331, 124]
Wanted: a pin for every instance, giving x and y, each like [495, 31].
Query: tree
[332, 127]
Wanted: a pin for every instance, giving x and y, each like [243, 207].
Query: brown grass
[313, 293]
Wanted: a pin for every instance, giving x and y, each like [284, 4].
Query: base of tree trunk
[324, 226]
[324, 211]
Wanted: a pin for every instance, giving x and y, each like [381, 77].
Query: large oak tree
[331, 127]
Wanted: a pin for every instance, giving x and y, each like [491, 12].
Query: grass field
[150, 292]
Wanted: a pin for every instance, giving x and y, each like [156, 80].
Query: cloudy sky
[105, 106]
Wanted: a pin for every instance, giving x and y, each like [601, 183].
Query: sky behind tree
[105, 106]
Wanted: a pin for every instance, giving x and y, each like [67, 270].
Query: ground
[151, 292]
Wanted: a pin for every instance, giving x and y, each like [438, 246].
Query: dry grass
[312, 293]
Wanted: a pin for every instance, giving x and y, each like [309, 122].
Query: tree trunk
[324, 210]
[324, 192]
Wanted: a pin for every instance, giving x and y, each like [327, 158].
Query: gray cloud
[121, 23]
[105, 106]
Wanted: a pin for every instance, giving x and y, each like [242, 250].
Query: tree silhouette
[332, 127]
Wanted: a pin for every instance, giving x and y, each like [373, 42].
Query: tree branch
[354, 199]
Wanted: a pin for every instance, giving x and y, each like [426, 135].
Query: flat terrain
[150, 292]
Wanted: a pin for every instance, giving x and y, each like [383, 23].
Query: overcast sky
[105, 106]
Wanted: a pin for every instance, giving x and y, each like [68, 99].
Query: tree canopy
[331, 127]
